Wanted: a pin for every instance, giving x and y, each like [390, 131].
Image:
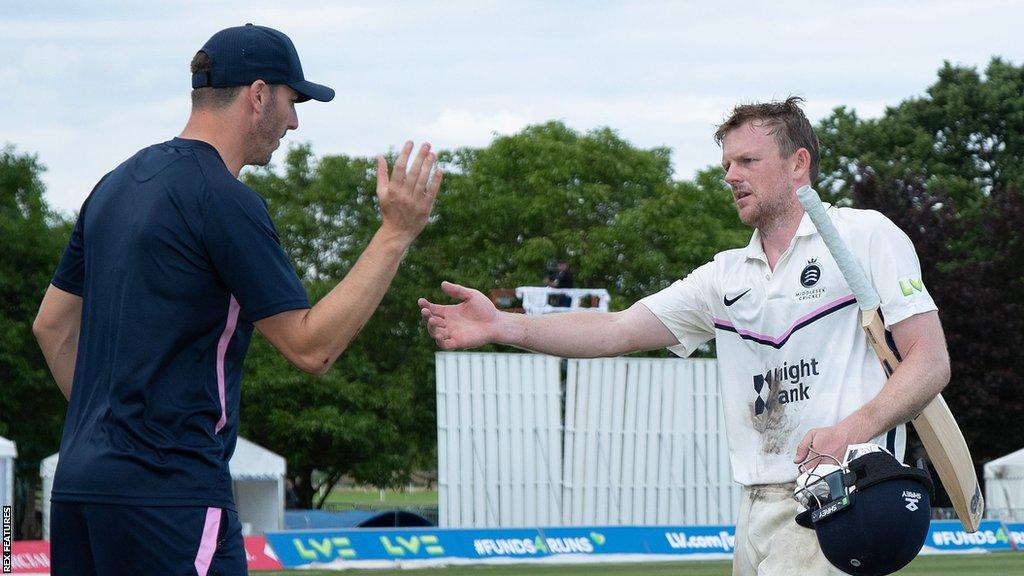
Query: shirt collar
[806, 228]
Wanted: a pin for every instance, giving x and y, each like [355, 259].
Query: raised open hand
[407, 197]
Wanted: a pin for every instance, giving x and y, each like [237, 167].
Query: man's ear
[258, 95]
[801, 164]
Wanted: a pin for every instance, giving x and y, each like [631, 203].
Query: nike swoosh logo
[730, 302]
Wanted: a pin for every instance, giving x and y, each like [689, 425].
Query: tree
[364, 417]
[666, 236]
[947, 168]
[609, 208]
[31, 406]
[536, 195]
[973, 270]
[966, 134]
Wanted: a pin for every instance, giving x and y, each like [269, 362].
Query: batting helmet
[875, 516]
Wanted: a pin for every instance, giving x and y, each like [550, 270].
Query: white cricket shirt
[791, 352]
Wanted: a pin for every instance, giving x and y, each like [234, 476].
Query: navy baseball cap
[244, 54]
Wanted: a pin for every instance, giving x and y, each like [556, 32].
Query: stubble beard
[261, 144]
[771, 211]
[263, 137]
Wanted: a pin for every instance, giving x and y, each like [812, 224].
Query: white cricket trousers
[769, 542]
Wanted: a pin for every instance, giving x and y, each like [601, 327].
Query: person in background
[560, 277]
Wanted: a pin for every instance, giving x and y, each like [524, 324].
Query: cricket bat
[935, 425]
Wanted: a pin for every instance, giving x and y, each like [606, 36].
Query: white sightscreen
[645, 444]
[499, 439]
[620, 441]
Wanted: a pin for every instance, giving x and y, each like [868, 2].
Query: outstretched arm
[476, 322]
[314, 338]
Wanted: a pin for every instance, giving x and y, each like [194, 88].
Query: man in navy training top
[145, 326]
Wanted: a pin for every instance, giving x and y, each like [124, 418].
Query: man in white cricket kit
[795, 367]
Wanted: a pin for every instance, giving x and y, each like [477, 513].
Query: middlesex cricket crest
[809, 277]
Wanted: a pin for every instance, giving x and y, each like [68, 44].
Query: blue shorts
[115, 540]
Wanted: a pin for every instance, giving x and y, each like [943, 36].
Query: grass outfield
[372, 498]
[1000, 564]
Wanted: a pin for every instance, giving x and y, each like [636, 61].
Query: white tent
[257, 476]
[46, 469]
[1004, 487]
[8, 452]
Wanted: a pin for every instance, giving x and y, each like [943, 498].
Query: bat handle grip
[867, 297]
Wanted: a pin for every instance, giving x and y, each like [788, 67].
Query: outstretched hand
[407, 197]
[472, 322]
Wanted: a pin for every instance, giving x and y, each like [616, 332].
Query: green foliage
[31, 406]
[681, 226]
[612, 210]
[363, 418]
[540, 194]
[947, 168]
[966, 134]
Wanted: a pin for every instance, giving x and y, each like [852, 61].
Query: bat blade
[935, 425]
[940, 435]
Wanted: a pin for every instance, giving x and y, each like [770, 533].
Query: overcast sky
[86, 84]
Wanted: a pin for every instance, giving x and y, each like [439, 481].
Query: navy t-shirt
[174, 259]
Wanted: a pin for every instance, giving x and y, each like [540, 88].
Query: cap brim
[310, 91]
